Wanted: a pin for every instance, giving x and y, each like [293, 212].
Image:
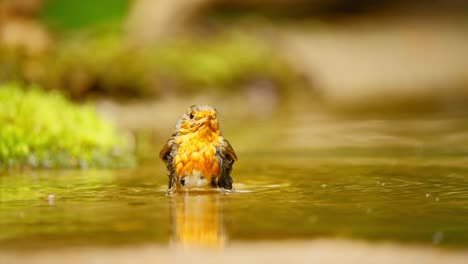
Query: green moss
[40, 129]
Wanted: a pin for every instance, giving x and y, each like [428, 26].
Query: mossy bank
[45, 130]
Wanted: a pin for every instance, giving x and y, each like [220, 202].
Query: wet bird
[197, 156]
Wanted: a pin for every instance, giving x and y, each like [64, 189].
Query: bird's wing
[166, 150]
[229, 150]
[166, 156]
[227, 156]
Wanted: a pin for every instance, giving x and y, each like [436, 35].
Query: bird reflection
[197, 220]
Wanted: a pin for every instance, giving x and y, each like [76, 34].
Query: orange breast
[196, 152]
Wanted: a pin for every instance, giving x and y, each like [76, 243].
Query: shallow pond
[377, 183]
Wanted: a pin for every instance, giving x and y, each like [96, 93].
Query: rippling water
[410, 192]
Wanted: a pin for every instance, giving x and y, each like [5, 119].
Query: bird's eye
[191, 115]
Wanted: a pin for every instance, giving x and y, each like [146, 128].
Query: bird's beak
[209, 120]
[204, 120]
[208, 117]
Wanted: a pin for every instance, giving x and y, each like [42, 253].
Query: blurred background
[349, 119]
[400, 55]
[248, 58]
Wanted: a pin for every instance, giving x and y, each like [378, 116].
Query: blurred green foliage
[40, 129]
[224, 62]
[105, 63]
[66, 15]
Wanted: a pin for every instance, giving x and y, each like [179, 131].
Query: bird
[197, 156]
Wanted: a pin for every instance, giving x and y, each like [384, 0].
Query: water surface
[412, 192]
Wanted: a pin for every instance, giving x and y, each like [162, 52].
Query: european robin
[196, 155]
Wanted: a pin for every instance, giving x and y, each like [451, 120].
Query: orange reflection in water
[197, 220]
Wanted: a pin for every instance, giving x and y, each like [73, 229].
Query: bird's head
[198, 117]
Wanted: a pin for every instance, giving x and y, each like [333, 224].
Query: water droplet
[428, 194]
[323, 185]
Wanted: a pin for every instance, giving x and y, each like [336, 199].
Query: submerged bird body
[196, 155]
